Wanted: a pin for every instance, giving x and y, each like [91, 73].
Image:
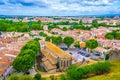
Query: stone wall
[64, 64]
[114, 54]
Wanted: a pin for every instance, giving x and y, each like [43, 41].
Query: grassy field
[113, 75]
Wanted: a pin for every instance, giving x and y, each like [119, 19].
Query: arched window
[64, 63]
[67, 63]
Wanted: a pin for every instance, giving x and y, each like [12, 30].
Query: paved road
[49, 74]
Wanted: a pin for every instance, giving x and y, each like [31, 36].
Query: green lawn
[113, 75]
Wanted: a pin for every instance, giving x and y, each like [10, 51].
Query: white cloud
[60, 7]
[99, 2]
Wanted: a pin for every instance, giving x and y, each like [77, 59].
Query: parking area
[97, 55]
[81, 55]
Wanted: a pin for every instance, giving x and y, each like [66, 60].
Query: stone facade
[114, 54]
[58, 61]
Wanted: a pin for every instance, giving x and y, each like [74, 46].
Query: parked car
[84, 54]
[87, 55]
[96, 54]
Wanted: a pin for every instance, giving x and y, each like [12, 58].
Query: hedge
[77, 73]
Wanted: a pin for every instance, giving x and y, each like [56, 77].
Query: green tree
[23, 63]
[43, 34]
[109, 36]
[56, 40]
[32, 46]
[103, 24]
[37, 39]
[11, 29]
[64, 29]
[117, 36]
[59, 40]
[79, 27]
[0, 33]
[37, 76]
[37, 26]
[81, 22]
[48, 38]
[92, 43]
[95, 23]
[26, 59]
[23, 28]
[28, 52]
[68, 41]
[107, 57]
[77, 44]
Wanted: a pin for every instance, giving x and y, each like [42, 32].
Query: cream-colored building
[54, 58]
[45, 27]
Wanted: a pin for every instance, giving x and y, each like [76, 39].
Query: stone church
[53, 58]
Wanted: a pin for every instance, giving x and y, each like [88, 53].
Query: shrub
[75, 73]
[20, 77]
[85, 70]
[101, 67]
[107, 57]
[25, 77]
[52, 77]
[13, 77]
[62, 77]
[37, 76]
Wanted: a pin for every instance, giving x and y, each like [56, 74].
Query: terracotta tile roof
[49, 56]
[48, 65]
[1, 54]
[14, 53]
[3, 68]
[57, 51]
[100, 36]
[100, 49]
[5, 61]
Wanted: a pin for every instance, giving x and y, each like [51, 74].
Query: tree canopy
[0, 33]
[23, 63]
[77, 44]
[68, 40]
[8, 25]
[95, 24]
[92, 43]
[115, 34]
[64, 29]
[56, 40]
[26, 58]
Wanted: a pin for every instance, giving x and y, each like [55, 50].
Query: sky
[59, 7]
